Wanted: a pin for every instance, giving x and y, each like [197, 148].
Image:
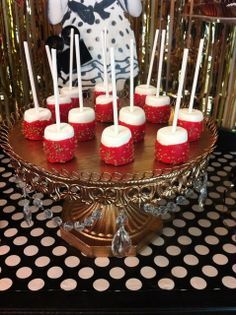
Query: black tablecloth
[189, 268]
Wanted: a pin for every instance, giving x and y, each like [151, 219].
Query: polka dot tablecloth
[196, 250]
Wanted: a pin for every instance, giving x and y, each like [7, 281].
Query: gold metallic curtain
[216, 94]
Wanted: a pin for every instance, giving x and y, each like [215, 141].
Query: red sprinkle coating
[118, 155]
[84, 131]
[194, 129]
[104, 112]
[137, 131]
[59, 151]
[75, 101]
[172, 154]
[64, 110]
[34, 130]
[157, 114]
[139, 100]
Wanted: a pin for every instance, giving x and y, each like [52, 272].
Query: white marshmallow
[85, 116]
[51, 133]
[166, 136]
[136, 117]
[31, 115]
[111, 139]
[194, 116]
[100, 87]
[63, 99]
[71, 92]
[145, 89]
[103, 99]
[157, 101]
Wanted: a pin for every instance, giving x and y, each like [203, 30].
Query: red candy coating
[34, 130]
[194, 129]
[157, 114]
[137, 131]
[59, 151]
[84, 131]
[75, 101]
[139, 100]
[172, 154]
[118, 155]
[64, 110]
[104, 112]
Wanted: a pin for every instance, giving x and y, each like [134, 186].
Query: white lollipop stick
[71, 56]
[104, 48]
[196, 73]
[152, 57]
[49, 59]
[114, 96]
[78, 64]
[55, 87]
[163, 37]
[180, 89]
[131, 75]
[31, 77]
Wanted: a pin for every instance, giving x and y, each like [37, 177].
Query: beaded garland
[172, 154]
[138, 132]
[118, 155]
[194, 129]
[34, 130]
[84, 131]
[157, 114]
[59, 151]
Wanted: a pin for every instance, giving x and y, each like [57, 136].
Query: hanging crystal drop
[121, 219]
[25, 202]
[27, 214]
[149, 208]
[121, 243]
[48, 213]
[79, 226]
[189, 193]
[38, 203]
[172, 206]
[181, 200]
[197, 184]
[58, 221]
[68, 226]
[202, 197]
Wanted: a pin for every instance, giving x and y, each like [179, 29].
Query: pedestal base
[96, 240]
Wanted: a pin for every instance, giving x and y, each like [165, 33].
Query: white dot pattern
[35, 258]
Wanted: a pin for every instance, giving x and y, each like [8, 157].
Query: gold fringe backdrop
[216, 94]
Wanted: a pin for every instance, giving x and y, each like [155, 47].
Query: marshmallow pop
[59, 140]
[189, 118]
[157, 108]
[132, 116]
[38, 118]
[172, 146]
[117, 146]
[82, 119]
[141, 91]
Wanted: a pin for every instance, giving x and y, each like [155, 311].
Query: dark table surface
[188, 269]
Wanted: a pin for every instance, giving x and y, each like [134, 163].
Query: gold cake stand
[86, 183]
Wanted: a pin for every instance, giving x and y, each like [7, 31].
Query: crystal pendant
[197, 184]
[58, 221]
[181, 200]
[96, 215]
[88, 222]
[48, 213]
[38, 203]
[172, 206]
[202, 197]
[189, 193]
[68, 226]
[121, 243]
[27, 214]
[79, 226]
